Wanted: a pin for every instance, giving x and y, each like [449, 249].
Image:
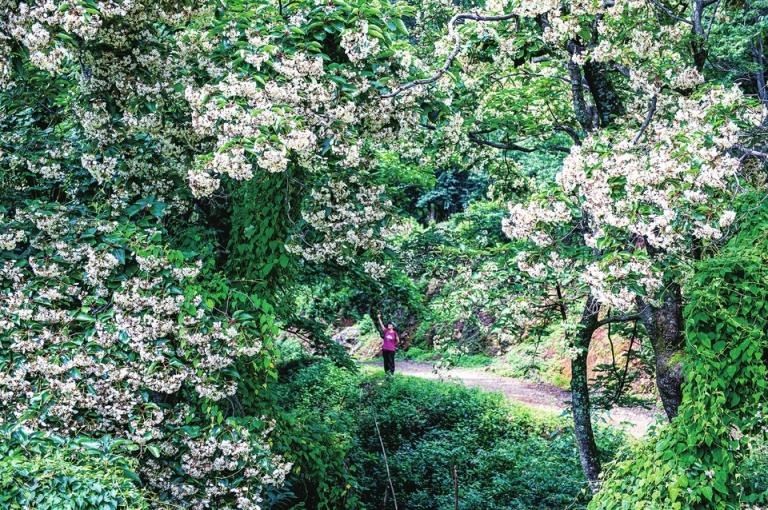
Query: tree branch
[647, 122]
[666, 10]
[454, 33]
[618, 318]
[474, 136]
[623, 378]
[751, 152]
[570, 132]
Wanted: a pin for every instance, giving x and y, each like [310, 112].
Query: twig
[533, 356]
[712, 19]
[386, 463]
[647, 122]
[618, 318]
[622, 380]
[454, 33]
[751, 152]
[613, 351]
[474, 136]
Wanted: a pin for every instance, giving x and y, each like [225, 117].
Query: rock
[348, 338]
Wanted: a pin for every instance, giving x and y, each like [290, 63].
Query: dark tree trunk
[582, 415]
[698, 41]
[758, 56]
[580, 108]
[607, 102]
[664, 325]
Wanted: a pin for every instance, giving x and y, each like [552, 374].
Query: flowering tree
[166, 164]
[653, 168]
[120, 312]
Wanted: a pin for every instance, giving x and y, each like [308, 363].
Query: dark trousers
[389, 361]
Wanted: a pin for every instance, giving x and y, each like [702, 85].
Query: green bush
[697, 462]
[504, 456]
[754, 472]
[44, 472]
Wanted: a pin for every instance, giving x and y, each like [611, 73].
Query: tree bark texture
[664, 326]
[607, 102]
[582, 414]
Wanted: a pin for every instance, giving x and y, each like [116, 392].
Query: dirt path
[634, 420]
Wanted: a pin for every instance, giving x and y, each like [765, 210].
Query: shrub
[48, 472]
[505, 456]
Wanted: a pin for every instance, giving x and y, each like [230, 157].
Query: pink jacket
[390, 340]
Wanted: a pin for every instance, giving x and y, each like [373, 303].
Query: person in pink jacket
[390, 339]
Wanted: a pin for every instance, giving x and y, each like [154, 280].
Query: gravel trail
[635, 420]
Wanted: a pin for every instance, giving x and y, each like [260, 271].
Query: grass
[456, 360]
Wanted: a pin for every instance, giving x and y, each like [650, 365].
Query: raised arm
[381, 324]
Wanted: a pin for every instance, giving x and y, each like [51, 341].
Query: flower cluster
[105, 328]
[344, 219]
[667, 195]
[111, 353]
[358, 44]
[523, 222]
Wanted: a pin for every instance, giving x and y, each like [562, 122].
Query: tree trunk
[664, 325]
[580, 107]
[582, 415]
[698, 39]
[607, 101]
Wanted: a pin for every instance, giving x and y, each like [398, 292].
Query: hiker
[390, 339]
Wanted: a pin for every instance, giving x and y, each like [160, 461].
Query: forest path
[634, 420]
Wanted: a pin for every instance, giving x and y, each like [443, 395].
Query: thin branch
[454, 33]
[533, 356]
[561, 302]
[474, 136]
[386, 463]
[618, 318]
[613, 349]
[751, 152]
[648, 117]
[666, 10]
[714, 15]
[623, 379]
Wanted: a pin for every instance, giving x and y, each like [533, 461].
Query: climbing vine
[693, 463]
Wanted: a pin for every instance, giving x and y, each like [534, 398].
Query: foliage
[49, 472]
[754, 471]
[129, 256]
[458, 265]
[694, 462]
[505, 457]
[179, 180]
[452, 192]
